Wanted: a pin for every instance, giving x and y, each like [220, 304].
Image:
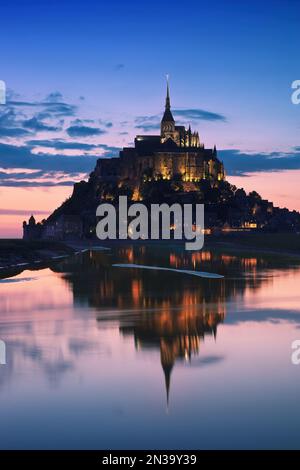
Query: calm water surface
[106, 357]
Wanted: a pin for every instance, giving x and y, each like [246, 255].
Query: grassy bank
[281, 243]
[16, 253]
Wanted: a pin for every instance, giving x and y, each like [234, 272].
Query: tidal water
[104, 357]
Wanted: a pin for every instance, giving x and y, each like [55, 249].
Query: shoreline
[255, 243]
[16, 255]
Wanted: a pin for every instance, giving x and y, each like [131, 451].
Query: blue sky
[84, 77]
[234, 60]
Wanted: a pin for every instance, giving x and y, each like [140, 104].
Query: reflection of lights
[129, 254]
[136, 290]
[250, 262]
[179, 261]
[173, 260]
[227, 259]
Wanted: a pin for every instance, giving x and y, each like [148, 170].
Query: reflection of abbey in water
[165, 311]
[177, 333]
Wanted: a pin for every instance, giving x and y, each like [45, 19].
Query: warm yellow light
[136, 195]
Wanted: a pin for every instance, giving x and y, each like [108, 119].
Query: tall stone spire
[168, 103]
[167, 117]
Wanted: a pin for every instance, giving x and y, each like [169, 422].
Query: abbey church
[176, 153]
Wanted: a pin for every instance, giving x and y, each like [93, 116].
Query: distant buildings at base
[62, 228]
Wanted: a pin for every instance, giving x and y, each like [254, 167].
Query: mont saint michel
[174, 167]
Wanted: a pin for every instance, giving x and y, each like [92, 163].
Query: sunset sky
[83, 78]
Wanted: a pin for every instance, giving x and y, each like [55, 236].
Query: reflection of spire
[167, 371]
[214, 328]
[167, 362]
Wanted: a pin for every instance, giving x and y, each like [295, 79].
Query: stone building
[176, 153]
[31, 229]
[63, 227]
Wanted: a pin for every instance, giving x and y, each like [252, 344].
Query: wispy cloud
[21, 118]
[27, 158]
[107, 124]
[22, 165]
[13, 132]
[241, 163]
[53, 103]
[84, 131]
[149, 123]
[49, 170]
[37, 125]
[22, 212]
[59, 144]
[198, 115]
[148, 127]
[10, 124]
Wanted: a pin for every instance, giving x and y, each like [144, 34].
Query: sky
[84, 77]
